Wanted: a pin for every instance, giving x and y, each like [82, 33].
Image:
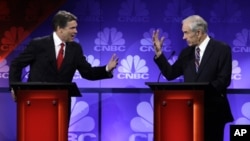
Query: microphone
[170, 56]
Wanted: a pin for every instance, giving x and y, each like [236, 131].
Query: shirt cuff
[107, 70]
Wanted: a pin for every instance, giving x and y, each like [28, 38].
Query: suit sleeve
[17, 64]
[224, 73]
[170, 72]
[87, 71]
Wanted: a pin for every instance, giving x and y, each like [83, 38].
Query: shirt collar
[57, 40]
[203, 45]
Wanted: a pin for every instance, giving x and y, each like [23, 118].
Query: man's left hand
[112, 63]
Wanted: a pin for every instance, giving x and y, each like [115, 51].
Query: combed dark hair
[62, 18]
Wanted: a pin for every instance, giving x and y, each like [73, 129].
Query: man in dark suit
[41, 55]
[214, 65]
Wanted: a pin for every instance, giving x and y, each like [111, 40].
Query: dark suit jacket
[40, 55]
[215, 68]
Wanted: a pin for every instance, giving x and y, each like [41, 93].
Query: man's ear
[58, 28]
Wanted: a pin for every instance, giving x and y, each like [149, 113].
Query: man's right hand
[157, 42]
[13, 95]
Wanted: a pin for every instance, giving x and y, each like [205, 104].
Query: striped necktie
[197, 58]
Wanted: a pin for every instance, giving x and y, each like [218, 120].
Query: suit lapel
[52, 52]
[67, 56]
[207, 54]
[193, 61]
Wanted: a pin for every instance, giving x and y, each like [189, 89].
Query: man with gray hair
[204, 60]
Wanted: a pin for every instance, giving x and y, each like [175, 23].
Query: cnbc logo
[236, 70]
[147, 43]
[245, 114]
[110, 40]
[81, 125]
[133, 68]
[142, 125]
[4, 69]
[133, 11]
[241, 42]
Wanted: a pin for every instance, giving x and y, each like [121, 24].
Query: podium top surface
[177, 85]
[71, 87]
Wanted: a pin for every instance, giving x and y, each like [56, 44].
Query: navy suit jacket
[215, 68]
[40, 55]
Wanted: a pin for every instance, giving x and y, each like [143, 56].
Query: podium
[43, 110]
[178, 111]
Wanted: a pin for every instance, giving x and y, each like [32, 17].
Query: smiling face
[67, 33]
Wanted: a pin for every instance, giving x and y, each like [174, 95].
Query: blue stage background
[123, 27]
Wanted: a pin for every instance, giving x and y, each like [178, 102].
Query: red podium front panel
[178, 115]
[42, 115]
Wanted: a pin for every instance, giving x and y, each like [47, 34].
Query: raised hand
[157, 42]
[112, 63]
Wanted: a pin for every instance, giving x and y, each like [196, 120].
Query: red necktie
[60, 56]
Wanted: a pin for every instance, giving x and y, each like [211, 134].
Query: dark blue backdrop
[124, 27]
